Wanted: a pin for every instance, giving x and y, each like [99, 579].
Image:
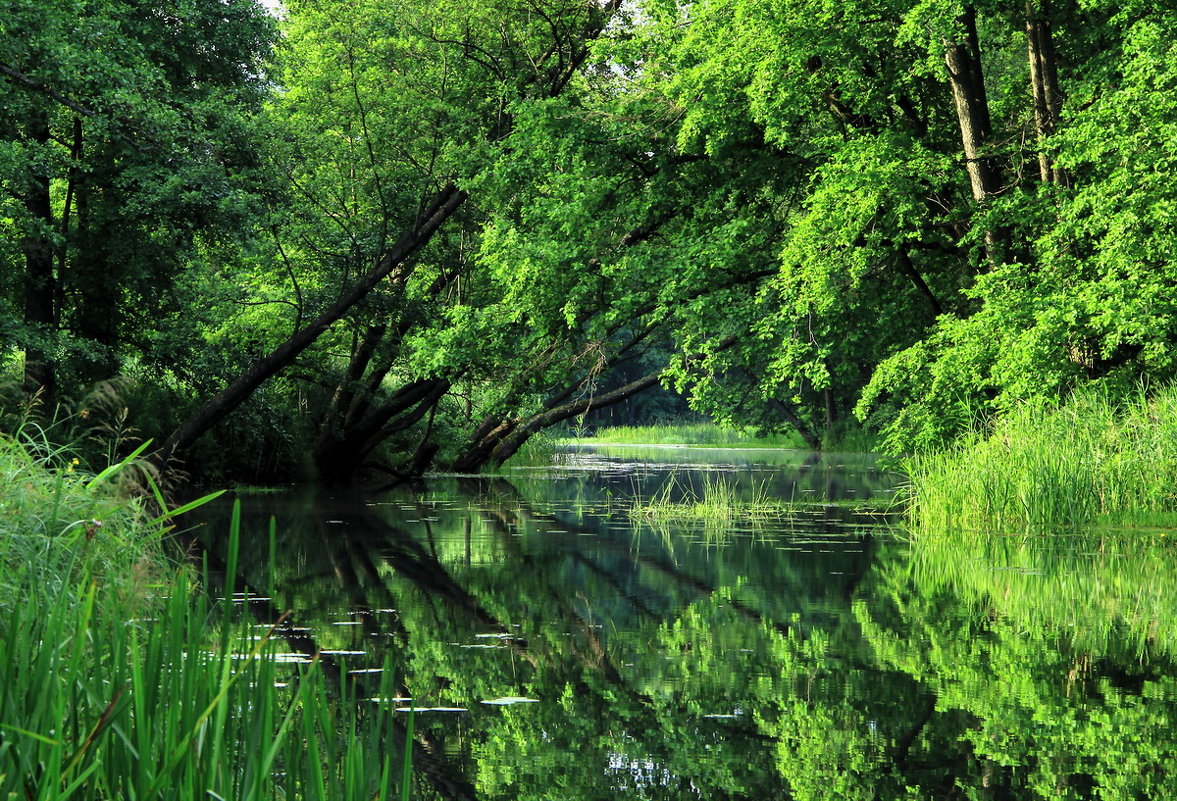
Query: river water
[554, 648]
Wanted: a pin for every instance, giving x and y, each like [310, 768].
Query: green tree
[130, 139]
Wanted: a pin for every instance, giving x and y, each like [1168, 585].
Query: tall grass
[1090, 461]
[719, 503]
[691, 434]
[58, 524]
[141, 686]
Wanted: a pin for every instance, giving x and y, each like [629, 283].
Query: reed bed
[121, 678]
[1090, 461]
[720, 503]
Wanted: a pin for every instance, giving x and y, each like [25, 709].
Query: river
[556, 647]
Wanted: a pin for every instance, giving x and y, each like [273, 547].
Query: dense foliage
[398, 236]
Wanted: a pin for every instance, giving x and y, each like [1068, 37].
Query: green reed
[1090, 461]
[142, 686]
[721, 502]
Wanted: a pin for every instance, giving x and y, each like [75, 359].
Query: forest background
[407, 236]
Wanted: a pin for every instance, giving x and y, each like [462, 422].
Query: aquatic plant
[1091, 460]
[720, 502]
[123, 678]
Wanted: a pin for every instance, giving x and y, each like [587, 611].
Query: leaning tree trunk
[513, 439]
[496, 443]
[337, 460]
[395, 266]
[334, 418]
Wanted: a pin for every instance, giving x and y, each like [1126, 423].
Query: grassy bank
[844, 439]
[121, 678]
[705, 434]
[1091, 461]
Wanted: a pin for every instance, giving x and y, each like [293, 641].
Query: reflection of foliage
[1048, 712]
[671, 668]
[828, 757]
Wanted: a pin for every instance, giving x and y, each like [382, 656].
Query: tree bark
[395, 265]
[40, 282]
[966, 78]
[1048, 97]
[963, 60]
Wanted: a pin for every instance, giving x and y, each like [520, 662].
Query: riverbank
[1091, 461]
[850, 439]
[123, 679]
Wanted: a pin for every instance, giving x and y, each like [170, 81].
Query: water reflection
[563, 652]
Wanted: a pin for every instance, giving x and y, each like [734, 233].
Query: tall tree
[481, 60]
[128, 135]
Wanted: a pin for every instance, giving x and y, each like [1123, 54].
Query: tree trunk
[972, 107]
[1048, 98]
[510, 444]
[395, 265]
[791, 416]
[40, 282]
[370, 435]
[72, 190]
[94, 278]
[908, 268]
[965, 76]
[337, 458]
[332, 425]
[502, 441]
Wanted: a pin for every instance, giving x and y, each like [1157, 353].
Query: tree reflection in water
[813, 660]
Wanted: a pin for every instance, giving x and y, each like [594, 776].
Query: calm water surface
[556, 650]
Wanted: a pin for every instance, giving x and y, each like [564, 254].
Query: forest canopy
[402, 236]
